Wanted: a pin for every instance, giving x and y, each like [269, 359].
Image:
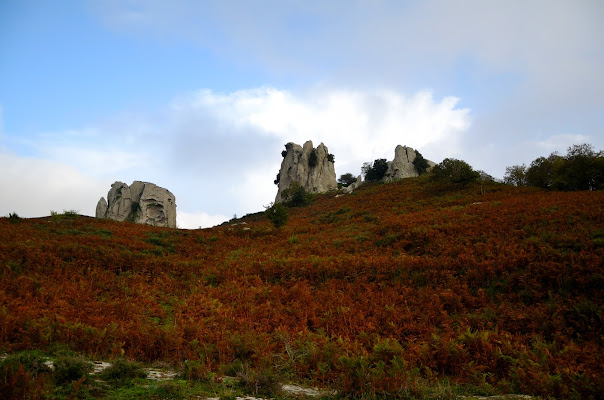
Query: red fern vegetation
[372, 292]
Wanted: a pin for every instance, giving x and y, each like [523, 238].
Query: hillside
[386, 290]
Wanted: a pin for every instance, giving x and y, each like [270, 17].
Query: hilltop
[393, 290]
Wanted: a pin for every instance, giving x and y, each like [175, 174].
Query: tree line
[582, 168]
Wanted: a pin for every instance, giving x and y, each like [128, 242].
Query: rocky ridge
[141, 202]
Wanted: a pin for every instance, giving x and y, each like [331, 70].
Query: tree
[454, 171]
[542, 171]
[515, 175]
[375, 171]
[582, 169]
[347, 179]
[277, 214]
[421, 164]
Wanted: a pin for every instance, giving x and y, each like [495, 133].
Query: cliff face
[141, 202]
[313, 168]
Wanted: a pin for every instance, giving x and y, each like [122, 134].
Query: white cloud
[195, 220]
[560, 143]
[33, 187]
[356, 125]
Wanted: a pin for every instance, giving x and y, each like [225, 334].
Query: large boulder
[312, 168]
[141, 202]
[402, 166]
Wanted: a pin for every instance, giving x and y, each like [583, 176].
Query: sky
[200, 97]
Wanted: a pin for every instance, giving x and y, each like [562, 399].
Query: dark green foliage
[70, 369]
[196, 371]
[122, 371]
[581, 169]
[313, 159]
[259, 383]
[283, 153]
[542, 171]
[33, 361]
[14, 218]
[374, 172]
[420, 163]
[169, 391]
[277, 179]
[331, 158]
[277, 214]
[347, 179]
[451, 170]
[296, 196]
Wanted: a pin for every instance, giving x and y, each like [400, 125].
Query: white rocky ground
[157, 374]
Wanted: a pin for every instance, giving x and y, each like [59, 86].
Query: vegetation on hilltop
[390, 291]
[582, 168]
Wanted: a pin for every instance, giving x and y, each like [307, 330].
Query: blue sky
[201, 96]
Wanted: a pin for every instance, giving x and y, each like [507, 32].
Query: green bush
[169, 391]
[296, 196]
[196, 371]
[70, 369]
[277, 214]
[264, 383]
[33, 361]
[123, 371]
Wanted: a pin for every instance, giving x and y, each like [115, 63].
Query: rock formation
[312, 168]
[141, 202]
[348, 189]
[402, 166]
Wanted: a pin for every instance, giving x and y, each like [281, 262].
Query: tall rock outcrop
[141, 202]
[402, 166]
[313, 168]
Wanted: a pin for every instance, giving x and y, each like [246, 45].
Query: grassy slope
[392, 286]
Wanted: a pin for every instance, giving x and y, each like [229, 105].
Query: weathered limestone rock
[402, 166]
[157, 206]
[141, 202]
[101, 208]
[312, 168]
[119, 202]
[349, 189]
